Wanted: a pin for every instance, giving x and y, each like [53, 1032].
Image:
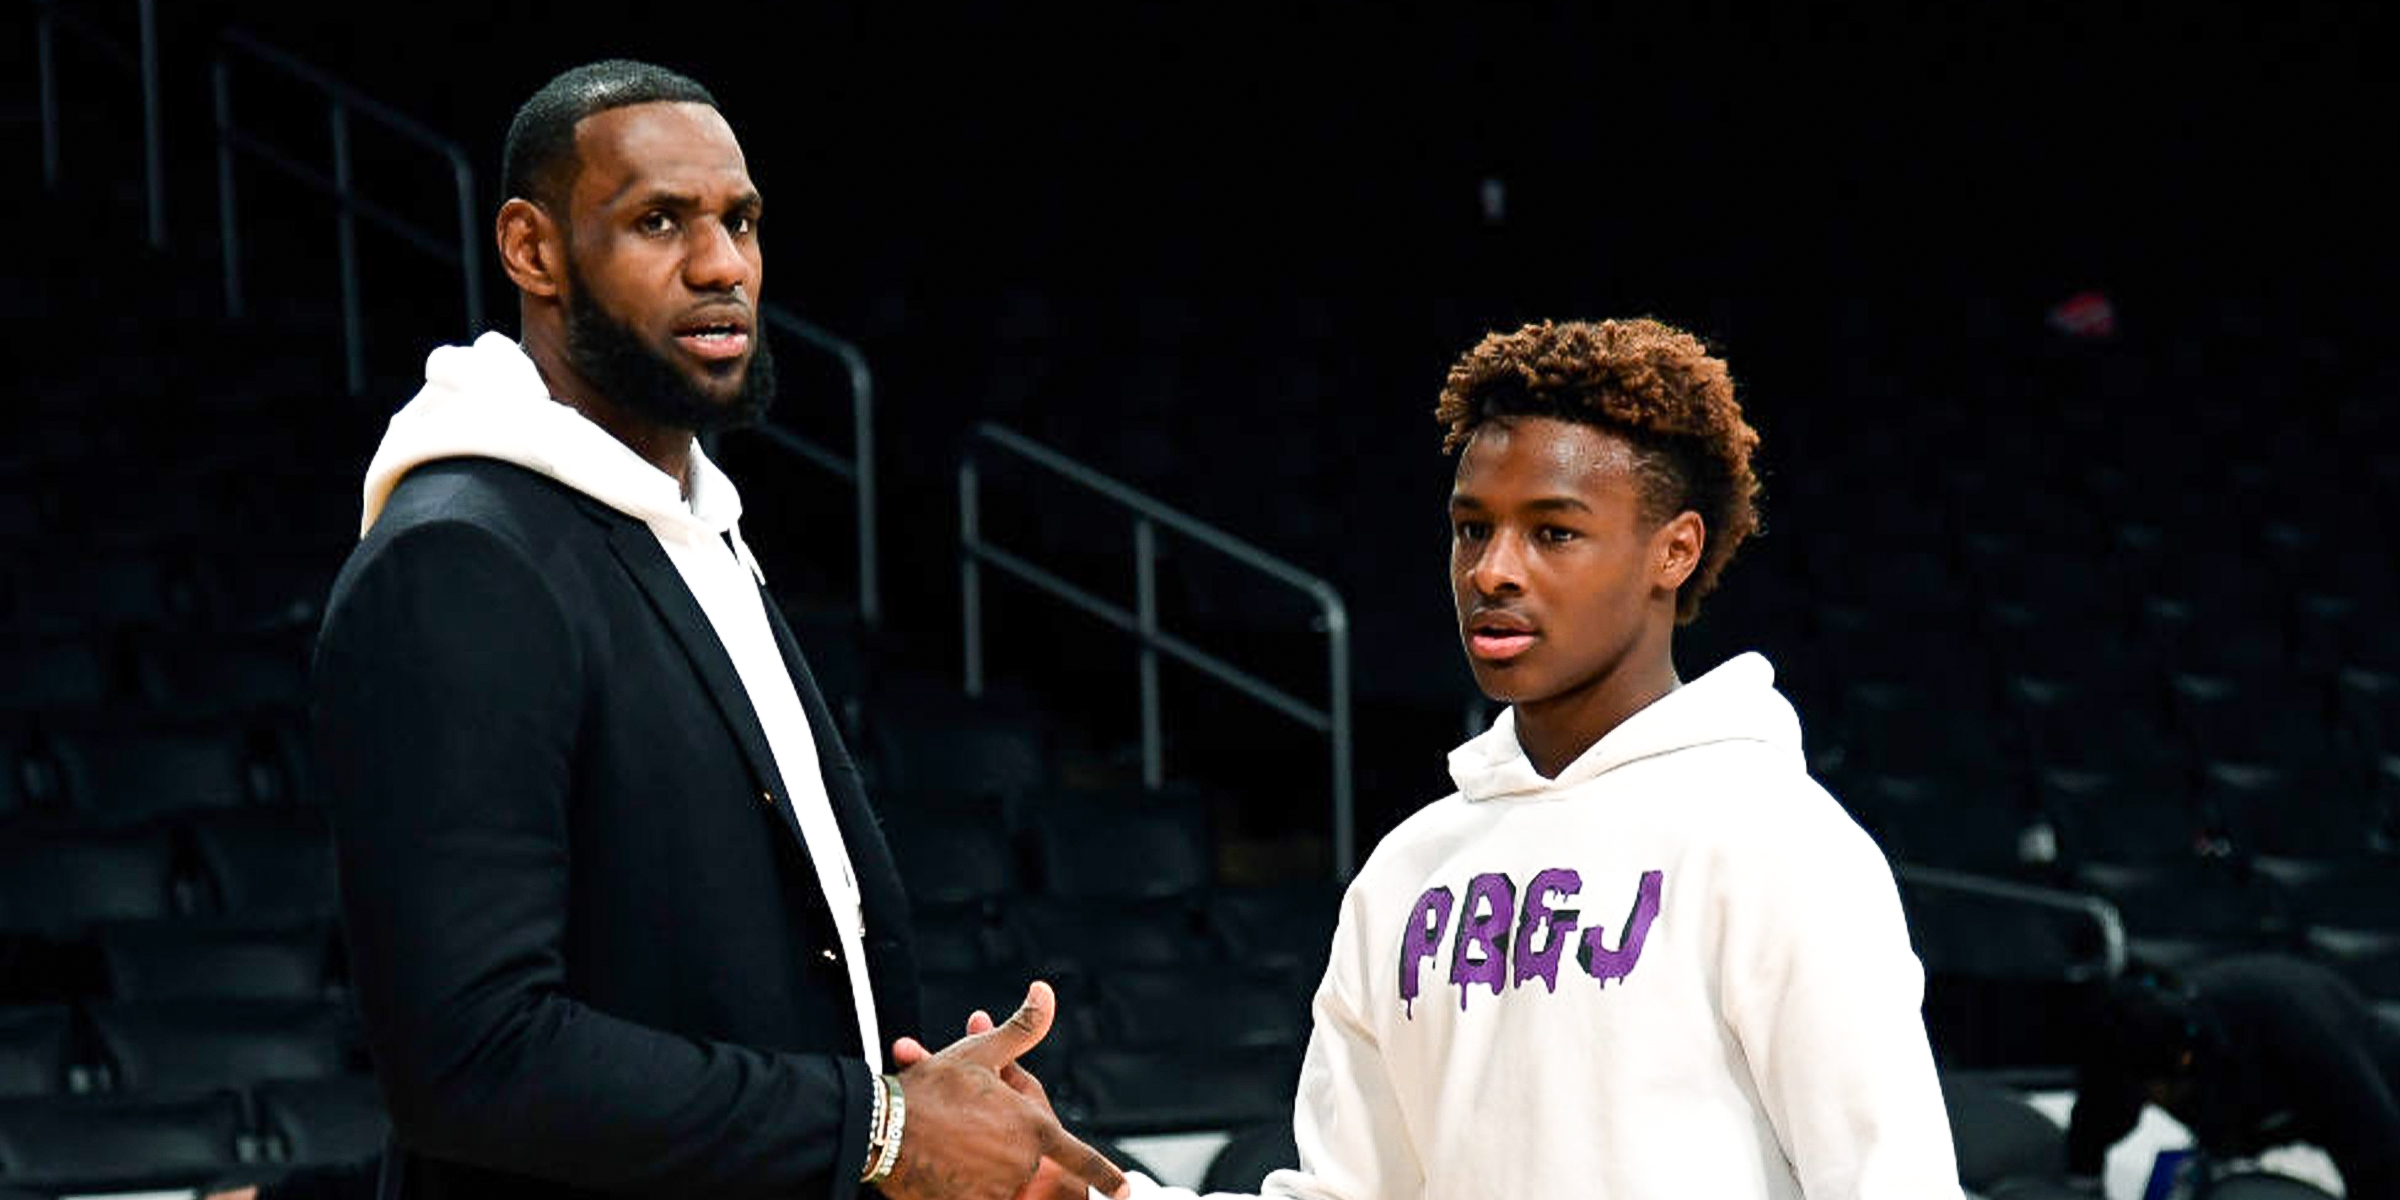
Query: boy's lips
[1499, 635]
[1498, 647]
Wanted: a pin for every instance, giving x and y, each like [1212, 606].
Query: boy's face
[1557, 575]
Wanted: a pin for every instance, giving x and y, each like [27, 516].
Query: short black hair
[539, 161]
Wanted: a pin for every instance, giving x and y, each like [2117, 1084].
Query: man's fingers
[908, 1052]
[979, 1021]
[1023, 1083]
[1081, 1161]
[1022, 1031]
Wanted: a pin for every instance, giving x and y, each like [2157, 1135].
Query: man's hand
[980, 1127]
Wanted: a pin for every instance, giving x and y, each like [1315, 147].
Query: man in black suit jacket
[620, 918]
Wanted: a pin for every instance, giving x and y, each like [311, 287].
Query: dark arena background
[2064, 326]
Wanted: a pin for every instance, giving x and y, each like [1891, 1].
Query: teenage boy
[1639, 953]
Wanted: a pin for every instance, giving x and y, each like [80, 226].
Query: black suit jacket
[589, 950]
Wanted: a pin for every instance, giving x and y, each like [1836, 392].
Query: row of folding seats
[1279, 927]
[259, 863]
[177, 958]
[2011, 821]
[76, 673]
[79, 591]
[80, 1145]
[121, 767]
[178, 1044]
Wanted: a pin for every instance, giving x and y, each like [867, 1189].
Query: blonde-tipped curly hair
[1647, 382]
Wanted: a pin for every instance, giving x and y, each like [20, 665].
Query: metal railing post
[45, 40]
[862, 417]
[229, 235]
[470, 247]
[1337, 657]
[154, 154]
[1333, 720]
[1145, 558]
[970, 577]
[354, 352]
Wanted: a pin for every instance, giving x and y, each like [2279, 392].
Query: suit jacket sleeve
[448, 698]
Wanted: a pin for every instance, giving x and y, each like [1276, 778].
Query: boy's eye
[1470, 529]
[1554, 533]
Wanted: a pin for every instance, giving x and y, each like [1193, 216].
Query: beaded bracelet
[896, 1114]
[875, 1120]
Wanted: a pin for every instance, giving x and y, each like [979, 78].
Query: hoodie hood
[1737, 702]
[487, 401]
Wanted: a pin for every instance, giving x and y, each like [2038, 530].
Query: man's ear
[532, 247]
[1675, 549]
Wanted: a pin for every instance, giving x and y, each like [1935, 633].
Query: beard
[641, 379]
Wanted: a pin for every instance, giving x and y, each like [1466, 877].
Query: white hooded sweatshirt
[488, 401]
[1677, 970]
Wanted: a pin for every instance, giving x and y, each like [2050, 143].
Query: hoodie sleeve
[448, 687]
[1821, 989]
[1353, 1143]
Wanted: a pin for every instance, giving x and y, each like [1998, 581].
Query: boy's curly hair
[1647, 382]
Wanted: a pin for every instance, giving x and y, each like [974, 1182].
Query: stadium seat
[28, 775]
[2178, 914]
[127, 773]
[1147, 1091]
[2131, 814]
[934, 742]
[268, 865]
[967, 939]
[219, 672]
[268, 595]
[98, 594]
[35, 1050]
[60, 881]
[87, 1145]
[1130, 844]
[1201, 1006]
[1277, 927]
[1249, 1155]
[1067, 936]
[952, 857]
[196, 1045]
[202, 959]
[1962, 822]
[2261, 1185]
[2000, 1137]
[59, 673]
[322, 1121]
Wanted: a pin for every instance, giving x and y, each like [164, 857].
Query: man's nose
[716, 263]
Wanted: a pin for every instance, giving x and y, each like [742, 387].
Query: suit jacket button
[828, 955]
[767, 798]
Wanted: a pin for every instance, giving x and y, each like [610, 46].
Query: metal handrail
[341, 101]
[859, 468]
[47, 20]
[1333, 719]
[2103, 914]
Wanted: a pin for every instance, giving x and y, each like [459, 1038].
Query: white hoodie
[1677, 970]
[488, 401]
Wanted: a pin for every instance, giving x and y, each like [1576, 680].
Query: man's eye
[655, 222]
[1555, 534]
[742, 226]
[1470, 530]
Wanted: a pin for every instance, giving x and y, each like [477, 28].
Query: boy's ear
[1675, 549]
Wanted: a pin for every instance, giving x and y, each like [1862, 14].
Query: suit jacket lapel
[637, 549]
[891, 962]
